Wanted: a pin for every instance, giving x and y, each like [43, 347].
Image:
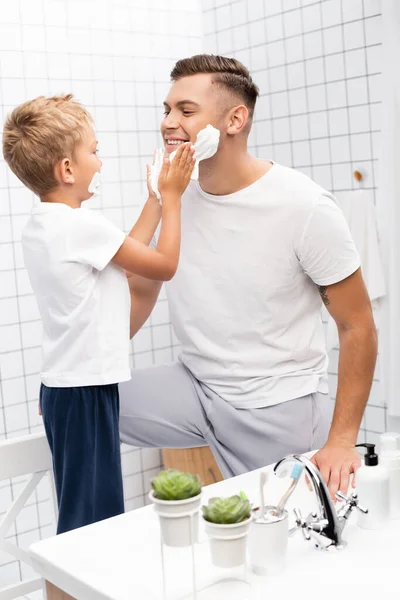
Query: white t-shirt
[244, 302]
[83, 299]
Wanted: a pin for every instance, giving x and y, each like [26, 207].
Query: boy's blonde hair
[39, 134]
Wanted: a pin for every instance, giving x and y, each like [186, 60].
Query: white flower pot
[179, 520]
[228, 543]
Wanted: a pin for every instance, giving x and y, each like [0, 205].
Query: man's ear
[238, 118]
[64, 171]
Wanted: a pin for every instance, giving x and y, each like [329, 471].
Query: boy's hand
[39, 410]
[174, 177]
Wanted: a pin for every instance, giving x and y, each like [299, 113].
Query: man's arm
[349, 305]
[144, 294]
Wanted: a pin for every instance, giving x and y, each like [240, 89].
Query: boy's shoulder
[48, 213]
[80, 227]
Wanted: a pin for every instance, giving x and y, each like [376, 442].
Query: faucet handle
[301, 524]
[348, 499]
[351, 502]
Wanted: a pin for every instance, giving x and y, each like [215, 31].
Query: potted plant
[176, 497]
[227, 522]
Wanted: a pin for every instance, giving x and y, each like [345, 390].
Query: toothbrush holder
[268, 541]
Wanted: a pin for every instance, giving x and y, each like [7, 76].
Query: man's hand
[338, 462]
[39, 410]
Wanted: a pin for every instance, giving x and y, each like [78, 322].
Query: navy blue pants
[81, 426]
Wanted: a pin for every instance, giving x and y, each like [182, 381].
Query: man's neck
[227, 173]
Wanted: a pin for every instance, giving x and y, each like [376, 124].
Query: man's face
[192, 103]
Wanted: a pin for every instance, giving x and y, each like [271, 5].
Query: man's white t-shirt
[244, 302]
[83, 299]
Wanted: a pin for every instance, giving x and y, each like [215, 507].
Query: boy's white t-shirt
[83, 299]
[244, 302]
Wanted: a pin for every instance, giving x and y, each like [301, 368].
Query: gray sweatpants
[166, 407]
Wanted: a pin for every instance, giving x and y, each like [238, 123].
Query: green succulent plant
[175, 485]
[227, 511]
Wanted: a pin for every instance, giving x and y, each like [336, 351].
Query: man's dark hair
[228, 72]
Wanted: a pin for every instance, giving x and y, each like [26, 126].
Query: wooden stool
[198, 461]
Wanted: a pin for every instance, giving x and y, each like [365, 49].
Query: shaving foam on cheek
[94, 185]
[206, 146]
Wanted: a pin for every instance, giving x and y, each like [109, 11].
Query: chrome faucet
[326, 526]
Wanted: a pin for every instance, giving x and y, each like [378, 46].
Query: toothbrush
[295, 476]
[263, 481]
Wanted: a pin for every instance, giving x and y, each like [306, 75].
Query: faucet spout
[328, 525]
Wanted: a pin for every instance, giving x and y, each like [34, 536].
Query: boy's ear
[64, 171]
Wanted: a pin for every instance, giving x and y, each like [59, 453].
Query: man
[261, 246]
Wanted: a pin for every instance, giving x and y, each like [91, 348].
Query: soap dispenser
[372, 484]
[390, 459]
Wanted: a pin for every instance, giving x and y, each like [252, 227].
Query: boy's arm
[161, 264]
[144, 292]
[147, 223]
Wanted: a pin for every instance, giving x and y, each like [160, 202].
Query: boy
[75, 260]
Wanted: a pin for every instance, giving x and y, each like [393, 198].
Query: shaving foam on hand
[155, 171]
[206, 146]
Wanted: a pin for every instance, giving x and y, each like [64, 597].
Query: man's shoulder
[298, 189]
[296, 181]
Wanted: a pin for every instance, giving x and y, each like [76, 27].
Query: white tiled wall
[115, 56]
[317, 64]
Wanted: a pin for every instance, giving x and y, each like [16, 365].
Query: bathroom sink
[120, 558]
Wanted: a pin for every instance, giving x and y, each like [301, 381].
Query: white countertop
[120, 558]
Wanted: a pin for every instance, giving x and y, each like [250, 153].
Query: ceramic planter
[228, 543]
[179, 520]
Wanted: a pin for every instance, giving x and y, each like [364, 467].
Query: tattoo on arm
[322, 290]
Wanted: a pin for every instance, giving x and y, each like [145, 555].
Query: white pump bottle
[372, 484]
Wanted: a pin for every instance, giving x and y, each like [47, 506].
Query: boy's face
[192, 103]
[86, 163]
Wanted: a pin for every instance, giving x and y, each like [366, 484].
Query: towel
[359, 209]
[389, 208]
